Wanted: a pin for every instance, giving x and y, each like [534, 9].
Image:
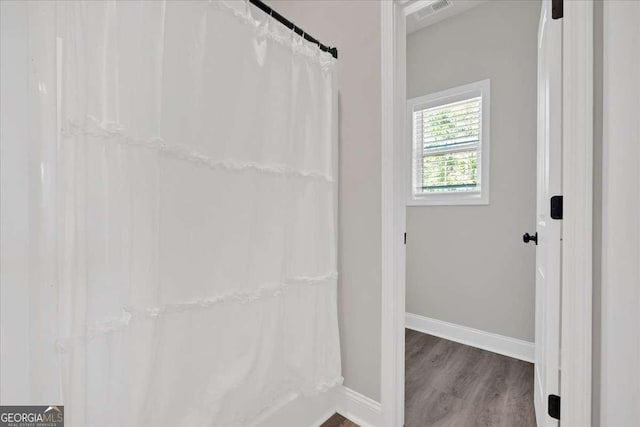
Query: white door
[548, 250]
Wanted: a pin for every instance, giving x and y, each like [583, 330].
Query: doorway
[470, 281]
[575, 303]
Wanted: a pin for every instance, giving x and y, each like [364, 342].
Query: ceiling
[422, 13]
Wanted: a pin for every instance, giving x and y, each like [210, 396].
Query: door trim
[393, 212]
[577, 131]
[577, 230]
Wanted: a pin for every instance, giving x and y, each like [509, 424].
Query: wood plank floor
[455, 385]
[338, 420]
[451, 384]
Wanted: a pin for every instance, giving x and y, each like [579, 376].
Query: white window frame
[481, 88]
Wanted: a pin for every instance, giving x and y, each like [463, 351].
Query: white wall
[467, 265]
[354, 27]
[14, 214]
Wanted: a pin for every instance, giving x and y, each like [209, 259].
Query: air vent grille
[432, 8]
[440, 4]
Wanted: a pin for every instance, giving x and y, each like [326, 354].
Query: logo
[32, 416]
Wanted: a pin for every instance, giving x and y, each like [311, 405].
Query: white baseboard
[358, 408]
[500, 344]
[313, 411]
[299, 411]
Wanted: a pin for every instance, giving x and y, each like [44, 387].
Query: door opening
[568, 270]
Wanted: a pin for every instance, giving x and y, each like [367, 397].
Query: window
[450, 140]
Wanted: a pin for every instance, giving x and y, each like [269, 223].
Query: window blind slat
[456, 105]
[450, 148]
[458, 122]
[472, 110]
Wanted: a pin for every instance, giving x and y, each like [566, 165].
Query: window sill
[449, 200]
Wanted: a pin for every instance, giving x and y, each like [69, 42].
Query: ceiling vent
[434, 7]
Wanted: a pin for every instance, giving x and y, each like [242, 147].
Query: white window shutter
[447, 148]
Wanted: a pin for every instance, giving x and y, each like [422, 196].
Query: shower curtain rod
[284, 21]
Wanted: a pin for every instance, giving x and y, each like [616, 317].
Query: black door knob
[526, 237]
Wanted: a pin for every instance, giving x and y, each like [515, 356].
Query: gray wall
[620, 228]
[354, 27]
[15, 373]
[467, 264]
[597, 210]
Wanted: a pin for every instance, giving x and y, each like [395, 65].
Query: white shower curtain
[194, 206]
